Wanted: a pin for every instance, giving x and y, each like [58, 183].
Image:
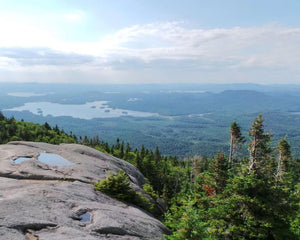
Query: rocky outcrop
[44, 201]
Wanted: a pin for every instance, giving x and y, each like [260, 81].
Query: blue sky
[139, 41]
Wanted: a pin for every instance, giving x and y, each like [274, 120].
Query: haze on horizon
[140, 41]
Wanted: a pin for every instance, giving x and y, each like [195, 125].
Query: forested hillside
[196, 115]
[253, 195]
[13, 130]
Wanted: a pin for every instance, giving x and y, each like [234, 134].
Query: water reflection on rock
[86, 217]
[54, 159]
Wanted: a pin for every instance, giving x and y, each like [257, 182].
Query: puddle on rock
[86, 217]
[47, 158]
[21, 159]
[54, 159]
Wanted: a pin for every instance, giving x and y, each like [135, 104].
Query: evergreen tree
[138, 162]
[221, 172]
[259, 146]
[117, 144]
[86, 141]
[112, 150]
[236, 140]
[127, 152]
[128, 149]
[106, 147]
[47, 126]
[122, 150]
[94, 141]
[56, 129]
[143, 154]
[157, 156]
[196, 168]
[284, 157]
[2, 116]
[175, 160]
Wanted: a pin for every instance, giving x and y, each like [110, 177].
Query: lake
[89, 110]
[26, 94]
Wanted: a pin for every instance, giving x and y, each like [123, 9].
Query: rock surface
[40, 201]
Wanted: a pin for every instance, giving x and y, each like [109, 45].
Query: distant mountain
[196, 115]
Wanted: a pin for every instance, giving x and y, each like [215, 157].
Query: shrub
[149, 189]
[118, 186]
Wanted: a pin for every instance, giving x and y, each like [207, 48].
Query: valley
[192, 121]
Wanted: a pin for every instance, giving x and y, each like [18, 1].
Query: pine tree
[47, 126]
[221, 172]
[128, 149]
[86, 141]
[259, 146]
[236, 140]
[196, 168]
[157, 156]
[138, 162]
[143, 151]
[106, 147]
[56, 129]
[95, 141]
[122, 150]
[2, 116]
[112, 150]
[284, 151]
[118, 143]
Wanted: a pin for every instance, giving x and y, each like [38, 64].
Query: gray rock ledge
[44, 202]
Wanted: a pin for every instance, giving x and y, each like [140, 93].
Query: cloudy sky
[150, 41]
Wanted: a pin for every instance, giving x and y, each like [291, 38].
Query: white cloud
[76, 16]
[232, 53]
[7, 63]
[266, 46]
[24, 34]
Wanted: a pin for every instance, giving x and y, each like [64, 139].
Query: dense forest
[253, 195]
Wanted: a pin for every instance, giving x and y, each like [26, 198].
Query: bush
[149, 189]
[118, 186]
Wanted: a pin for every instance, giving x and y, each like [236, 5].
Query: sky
[150, 41]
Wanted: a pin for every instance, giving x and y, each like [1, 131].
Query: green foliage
[149, 189]
[235, 131]
[240, 205]
[295, 222]
[221, 172]
[187, 225]
[118, 186]
[259, 146]
[236, 142]
[248, 208]
[214, 202]
[13, 130]
[285, 156]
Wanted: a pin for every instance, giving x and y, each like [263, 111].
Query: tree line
[240, 197]
[234, 196]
